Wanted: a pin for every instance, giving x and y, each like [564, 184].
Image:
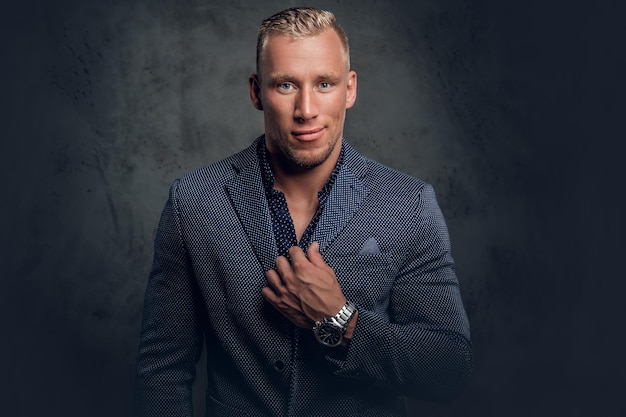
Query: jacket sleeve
[422, 348]
[171, 335]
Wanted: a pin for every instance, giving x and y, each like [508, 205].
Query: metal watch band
[345, 314]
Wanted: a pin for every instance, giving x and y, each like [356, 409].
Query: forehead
[284, 53]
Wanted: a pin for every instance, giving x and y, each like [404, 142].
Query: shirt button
[279, 365]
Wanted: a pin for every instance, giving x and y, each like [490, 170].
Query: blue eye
[324, 85]
[285, 86]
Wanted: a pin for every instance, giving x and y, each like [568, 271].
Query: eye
[325, 85]
[285, 86]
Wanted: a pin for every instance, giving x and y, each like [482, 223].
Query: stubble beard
[306, 160]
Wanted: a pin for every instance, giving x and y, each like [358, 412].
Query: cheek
[337, 106]
[278, 110]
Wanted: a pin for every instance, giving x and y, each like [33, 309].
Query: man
[321, 280]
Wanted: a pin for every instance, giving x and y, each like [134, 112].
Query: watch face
[329, 335]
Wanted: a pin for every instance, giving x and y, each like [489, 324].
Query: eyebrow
[279, 77]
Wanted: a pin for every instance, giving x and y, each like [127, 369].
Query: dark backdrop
[512, 110]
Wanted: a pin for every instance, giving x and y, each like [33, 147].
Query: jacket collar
[248, 197]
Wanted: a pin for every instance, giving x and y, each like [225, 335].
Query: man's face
[304, 88]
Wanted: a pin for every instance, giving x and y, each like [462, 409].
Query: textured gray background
[512, 111]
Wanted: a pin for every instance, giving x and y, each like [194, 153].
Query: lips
[307, 135]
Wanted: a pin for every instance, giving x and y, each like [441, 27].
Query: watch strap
[345, 314]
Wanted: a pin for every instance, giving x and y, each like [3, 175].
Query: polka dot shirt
[284, 230]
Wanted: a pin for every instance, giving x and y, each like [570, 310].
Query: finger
[288, 306]
[274, 280]
[283, 268]
[270, 296]
[297, 254]
[314, 255]
[281, 302]
[299, 264]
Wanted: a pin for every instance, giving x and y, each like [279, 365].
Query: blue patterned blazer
[383, 234]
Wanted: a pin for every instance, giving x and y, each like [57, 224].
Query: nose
[306, 106]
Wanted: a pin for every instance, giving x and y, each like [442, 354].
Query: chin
[308, 159]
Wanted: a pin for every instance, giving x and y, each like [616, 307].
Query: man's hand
[305, 290]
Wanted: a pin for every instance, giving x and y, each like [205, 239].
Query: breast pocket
[365, 279]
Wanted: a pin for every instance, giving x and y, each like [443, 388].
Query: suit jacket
[383, 234]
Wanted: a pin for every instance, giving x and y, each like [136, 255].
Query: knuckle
[298, 263]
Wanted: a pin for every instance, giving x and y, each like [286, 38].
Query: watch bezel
[328, 332]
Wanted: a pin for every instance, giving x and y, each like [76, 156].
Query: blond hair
[298, 23]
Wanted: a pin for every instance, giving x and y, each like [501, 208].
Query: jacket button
[279, 365]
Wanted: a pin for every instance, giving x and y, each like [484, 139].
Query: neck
[299, 182]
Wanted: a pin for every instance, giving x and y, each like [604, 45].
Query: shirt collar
[267, 174]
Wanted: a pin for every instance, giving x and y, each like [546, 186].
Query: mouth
[307, 135]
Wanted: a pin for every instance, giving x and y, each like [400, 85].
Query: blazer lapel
[344, 200]
[248, 197]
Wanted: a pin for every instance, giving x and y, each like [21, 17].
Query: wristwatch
[329, 331]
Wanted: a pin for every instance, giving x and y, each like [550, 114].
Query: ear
[255, 91]
[351, 89]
